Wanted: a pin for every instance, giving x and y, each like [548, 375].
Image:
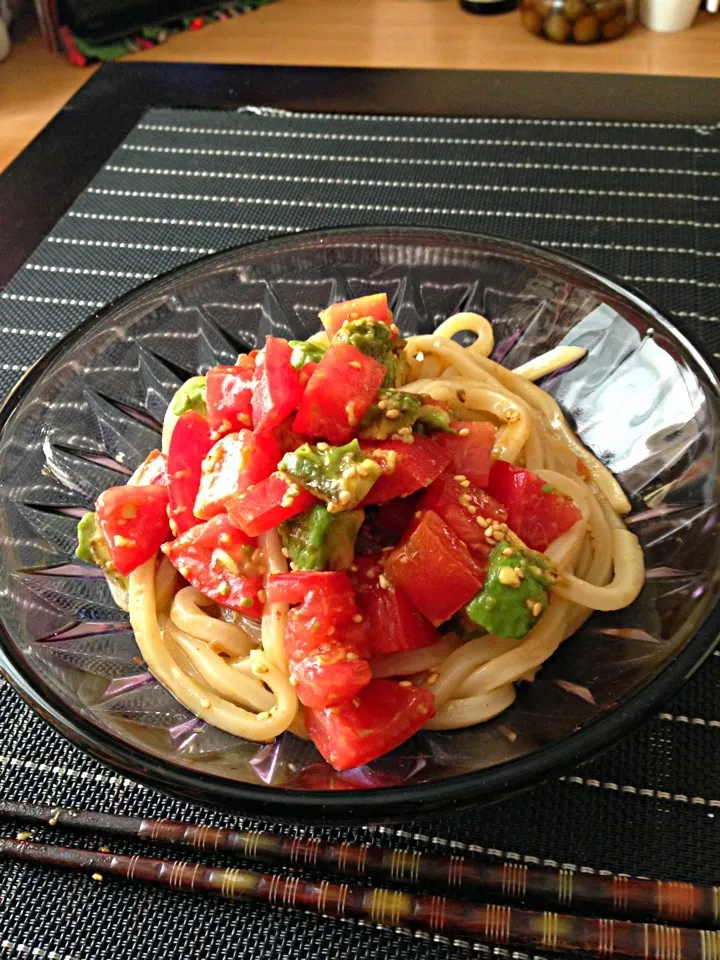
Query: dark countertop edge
[41, 184]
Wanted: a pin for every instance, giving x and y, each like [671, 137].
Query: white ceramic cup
[668, 16]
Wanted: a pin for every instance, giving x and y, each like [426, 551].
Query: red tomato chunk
[338, 394]
[536, 513]
[374, 306]
[236, 462]
[134, 522]
[375, 721]
[228, 394]
[472, 452]
[276, 387]
[391, 621]
[266, 504]
[216, 558]
[323, 640]
[152, 470]
[460, 503]
[190, 441]
[416, 465]
[434, 567]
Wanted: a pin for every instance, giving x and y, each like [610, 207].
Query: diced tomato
[582, 470]
[276, 386]
[228, 394]
[416, 465]
[338, 394]
[324, 644]
[374, 306]
[328, 676]
[378, 719]
[190, 441]
[307, 371]
[266, 504]
[134, 522]
[236, 462]
[470, 453]
[297, 586]
[536, 513]
[459, 504]
[391, 621]
[285, 436]
[152, 470]
[215, 558]
[391, 520]
[435, 568]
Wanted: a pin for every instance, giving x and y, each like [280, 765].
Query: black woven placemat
[641, 201]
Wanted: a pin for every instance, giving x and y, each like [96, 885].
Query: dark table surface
[41, 184]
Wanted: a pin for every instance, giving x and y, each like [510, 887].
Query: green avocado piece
[190, 396]
[92, 548]
[412, 411]
[341, 476]
[306, 351]
[374, 339]
[504, 606]
[320, 540]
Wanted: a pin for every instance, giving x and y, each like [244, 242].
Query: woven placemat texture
[641, 201]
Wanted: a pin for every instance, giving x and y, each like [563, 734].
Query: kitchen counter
[434, 34]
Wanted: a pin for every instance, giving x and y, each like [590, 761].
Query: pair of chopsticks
[502, 923]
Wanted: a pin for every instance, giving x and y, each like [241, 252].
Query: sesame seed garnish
[351, 656]
[53, 821]
[498, 535]
[355, 702]
[392, 414]
[432, 679]
[23, 835]
[529, 604]
[464, 432]
[465, 483]
[344, 496]
[460, 477]
[508, 577]
[356, 364]
[293, 681]
[349, 472]
[382, 404]
[323, 446]
[285, 553]
[263, 715]
[481, 521]
[97, 876]
[353, 567]
[508, 552]
[262, 596]
[422, 709]
[405, 683]
[537, 609]
[384, 582]
[357, 618]
[518, 571]
[471, 509]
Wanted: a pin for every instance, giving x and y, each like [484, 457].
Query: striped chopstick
[613, 895]
[489, 922]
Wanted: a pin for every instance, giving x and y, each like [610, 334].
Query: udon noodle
[233, 673]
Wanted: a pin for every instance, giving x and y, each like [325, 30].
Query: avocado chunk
[374, 339]
[396, 411]
[191, 396]
[92, 548]
[341, 476]
[306, 351]
[515, 593]
[320, 540]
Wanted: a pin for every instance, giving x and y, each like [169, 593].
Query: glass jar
[576, 21]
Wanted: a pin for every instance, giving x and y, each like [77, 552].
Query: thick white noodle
[549, 362]
[237, 678]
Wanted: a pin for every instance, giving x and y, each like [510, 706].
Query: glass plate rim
[417, 800]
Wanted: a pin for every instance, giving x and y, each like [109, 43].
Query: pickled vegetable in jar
[576, 21]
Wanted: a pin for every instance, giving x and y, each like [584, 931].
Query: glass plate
[81, 420]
